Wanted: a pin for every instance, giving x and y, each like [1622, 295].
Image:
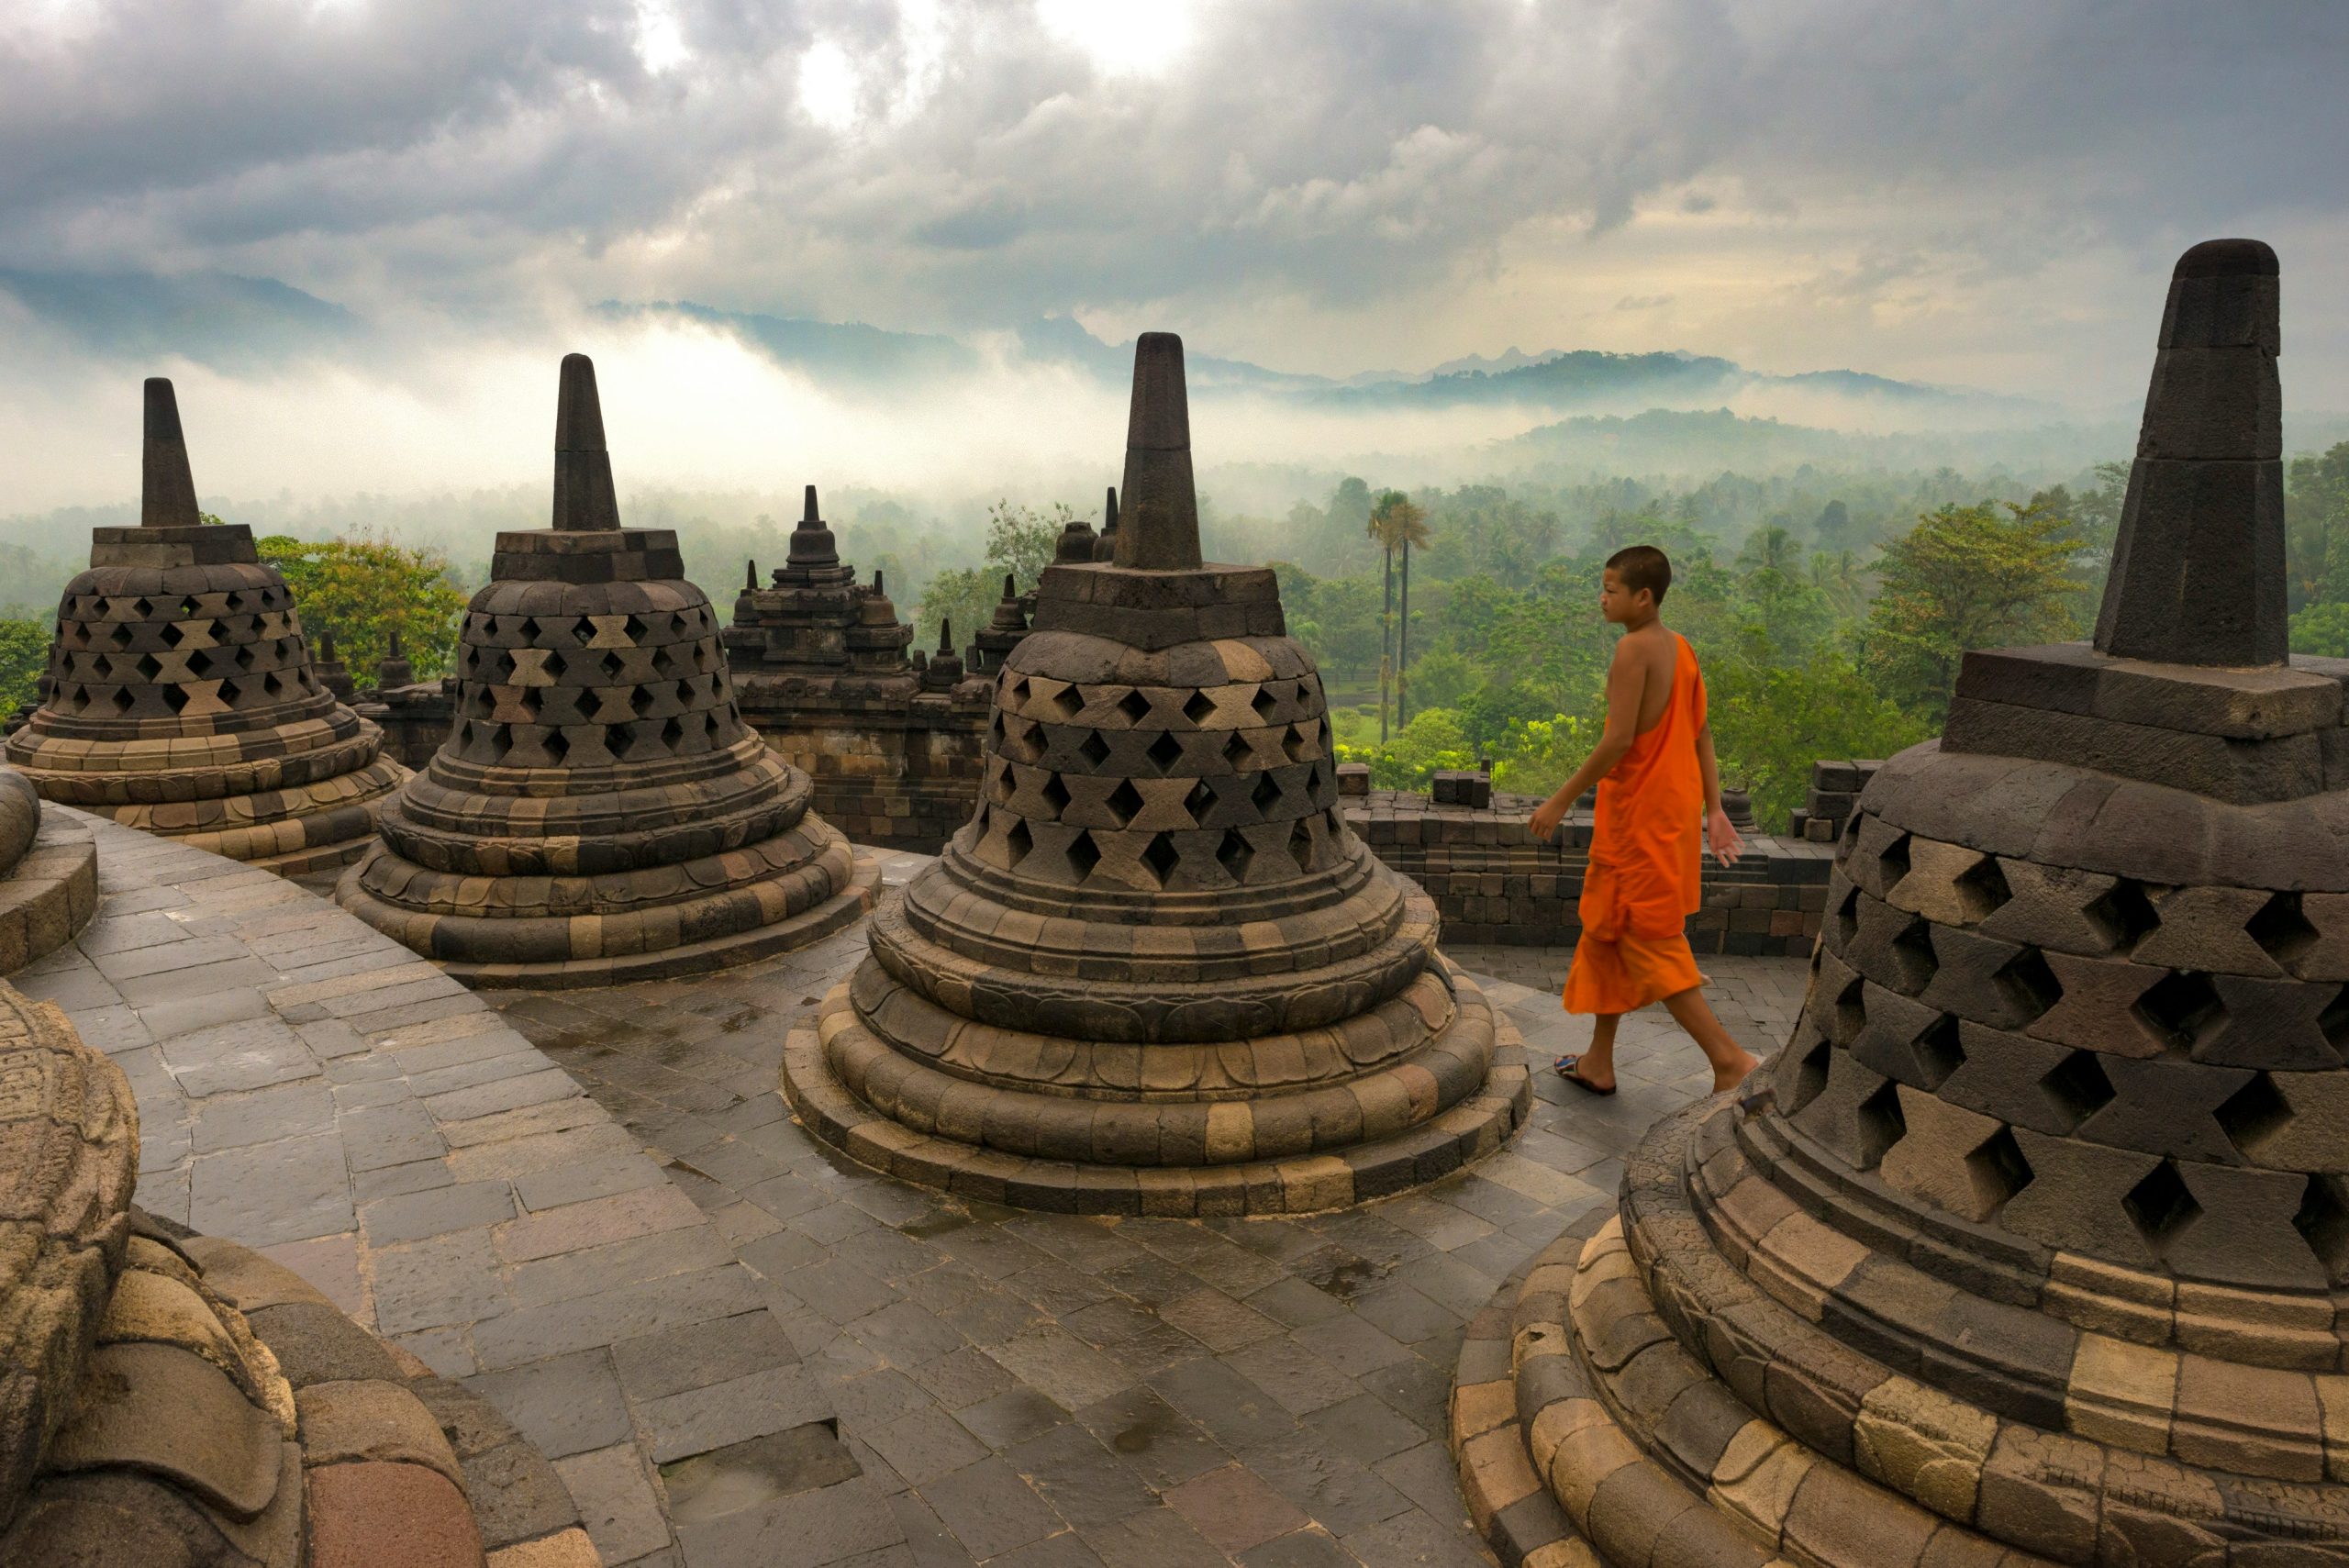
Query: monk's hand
[1545, 819]
[1722, 837]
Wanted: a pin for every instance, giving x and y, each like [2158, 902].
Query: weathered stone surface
[599, 812]
[368, 1514]
[372, 1420]
[2197, 570]
[163, 1409]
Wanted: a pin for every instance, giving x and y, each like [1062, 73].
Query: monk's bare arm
[1722, 838]
[1627, 679]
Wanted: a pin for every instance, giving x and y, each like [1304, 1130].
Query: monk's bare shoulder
[1656, 648]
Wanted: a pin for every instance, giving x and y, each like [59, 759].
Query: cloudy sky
[1985, 192]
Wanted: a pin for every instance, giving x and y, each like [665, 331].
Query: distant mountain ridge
[219, 318]
[244, 325]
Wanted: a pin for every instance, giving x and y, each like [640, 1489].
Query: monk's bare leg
[1732, 1061]
[1596, 1065]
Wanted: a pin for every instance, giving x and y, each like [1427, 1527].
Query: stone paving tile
[306, 1086]
[667, 1285]
[1037, 1390]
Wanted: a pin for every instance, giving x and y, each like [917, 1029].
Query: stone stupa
[181, 695]
[2033, 1245]
[599, 812]
[1155, 973]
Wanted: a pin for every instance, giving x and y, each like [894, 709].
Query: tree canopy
[362, 589]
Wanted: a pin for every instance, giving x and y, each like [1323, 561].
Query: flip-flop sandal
[1569, 1069]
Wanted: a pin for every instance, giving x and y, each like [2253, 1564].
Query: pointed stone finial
[811, 541]
[1104, 545]
[326, 645]
[584, 498]
[750, 575]
[167, 488]
[1009, 622]
[393, 651]
[2197, 567]
[945, 636]
[1161, 530]
[878, 591]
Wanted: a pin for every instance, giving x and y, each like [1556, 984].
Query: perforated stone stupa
[2033, 1245]
[1155, 973]
[599, 811]
[181, 694]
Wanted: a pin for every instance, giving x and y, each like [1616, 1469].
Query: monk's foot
[1730, 1075]
[1570, 1069]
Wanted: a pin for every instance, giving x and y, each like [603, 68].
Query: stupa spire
[2197, 567]
[1104, 544]
[167, 493]
[1159, 531]
[811, 541]
[583, 499]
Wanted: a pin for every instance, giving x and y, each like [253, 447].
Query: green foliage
[1966, 577]
[1020, 539]
[2316, 528]
[1433, 740]
[1771, 720]
[2323, 630]
[363, 589]
[1540, 754]
[24, 655]
[1445, 679]
[1835, 651]
[964, 597]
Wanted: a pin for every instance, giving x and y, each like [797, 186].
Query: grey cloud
[1341, 153]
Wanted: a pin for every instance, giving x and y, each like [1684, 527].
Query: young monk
[1657, 781]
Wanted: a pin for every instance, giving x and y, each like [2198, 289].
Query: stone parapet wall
[898, 769]
[413, 718]
[1492, 884]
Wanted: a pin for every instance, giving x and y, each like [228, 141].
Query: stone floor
[1051, 1391]
[672, 1290]
[312, 1089]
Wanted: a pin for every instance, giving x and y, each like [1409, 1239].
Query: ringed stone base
[586, 933]
[1172, 1157]
[1643, 1400]
[49, 893]
[292, 813]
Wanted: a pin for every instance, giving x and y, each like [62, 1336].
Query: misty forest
[1453, 625]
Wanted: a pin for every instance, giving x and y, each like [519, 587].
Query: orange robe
[1644, 879]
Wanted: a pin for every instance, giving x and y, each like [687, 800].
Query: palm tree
[1398, 524]
[1377, 528]
[1838, 576]
[1769, 548]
